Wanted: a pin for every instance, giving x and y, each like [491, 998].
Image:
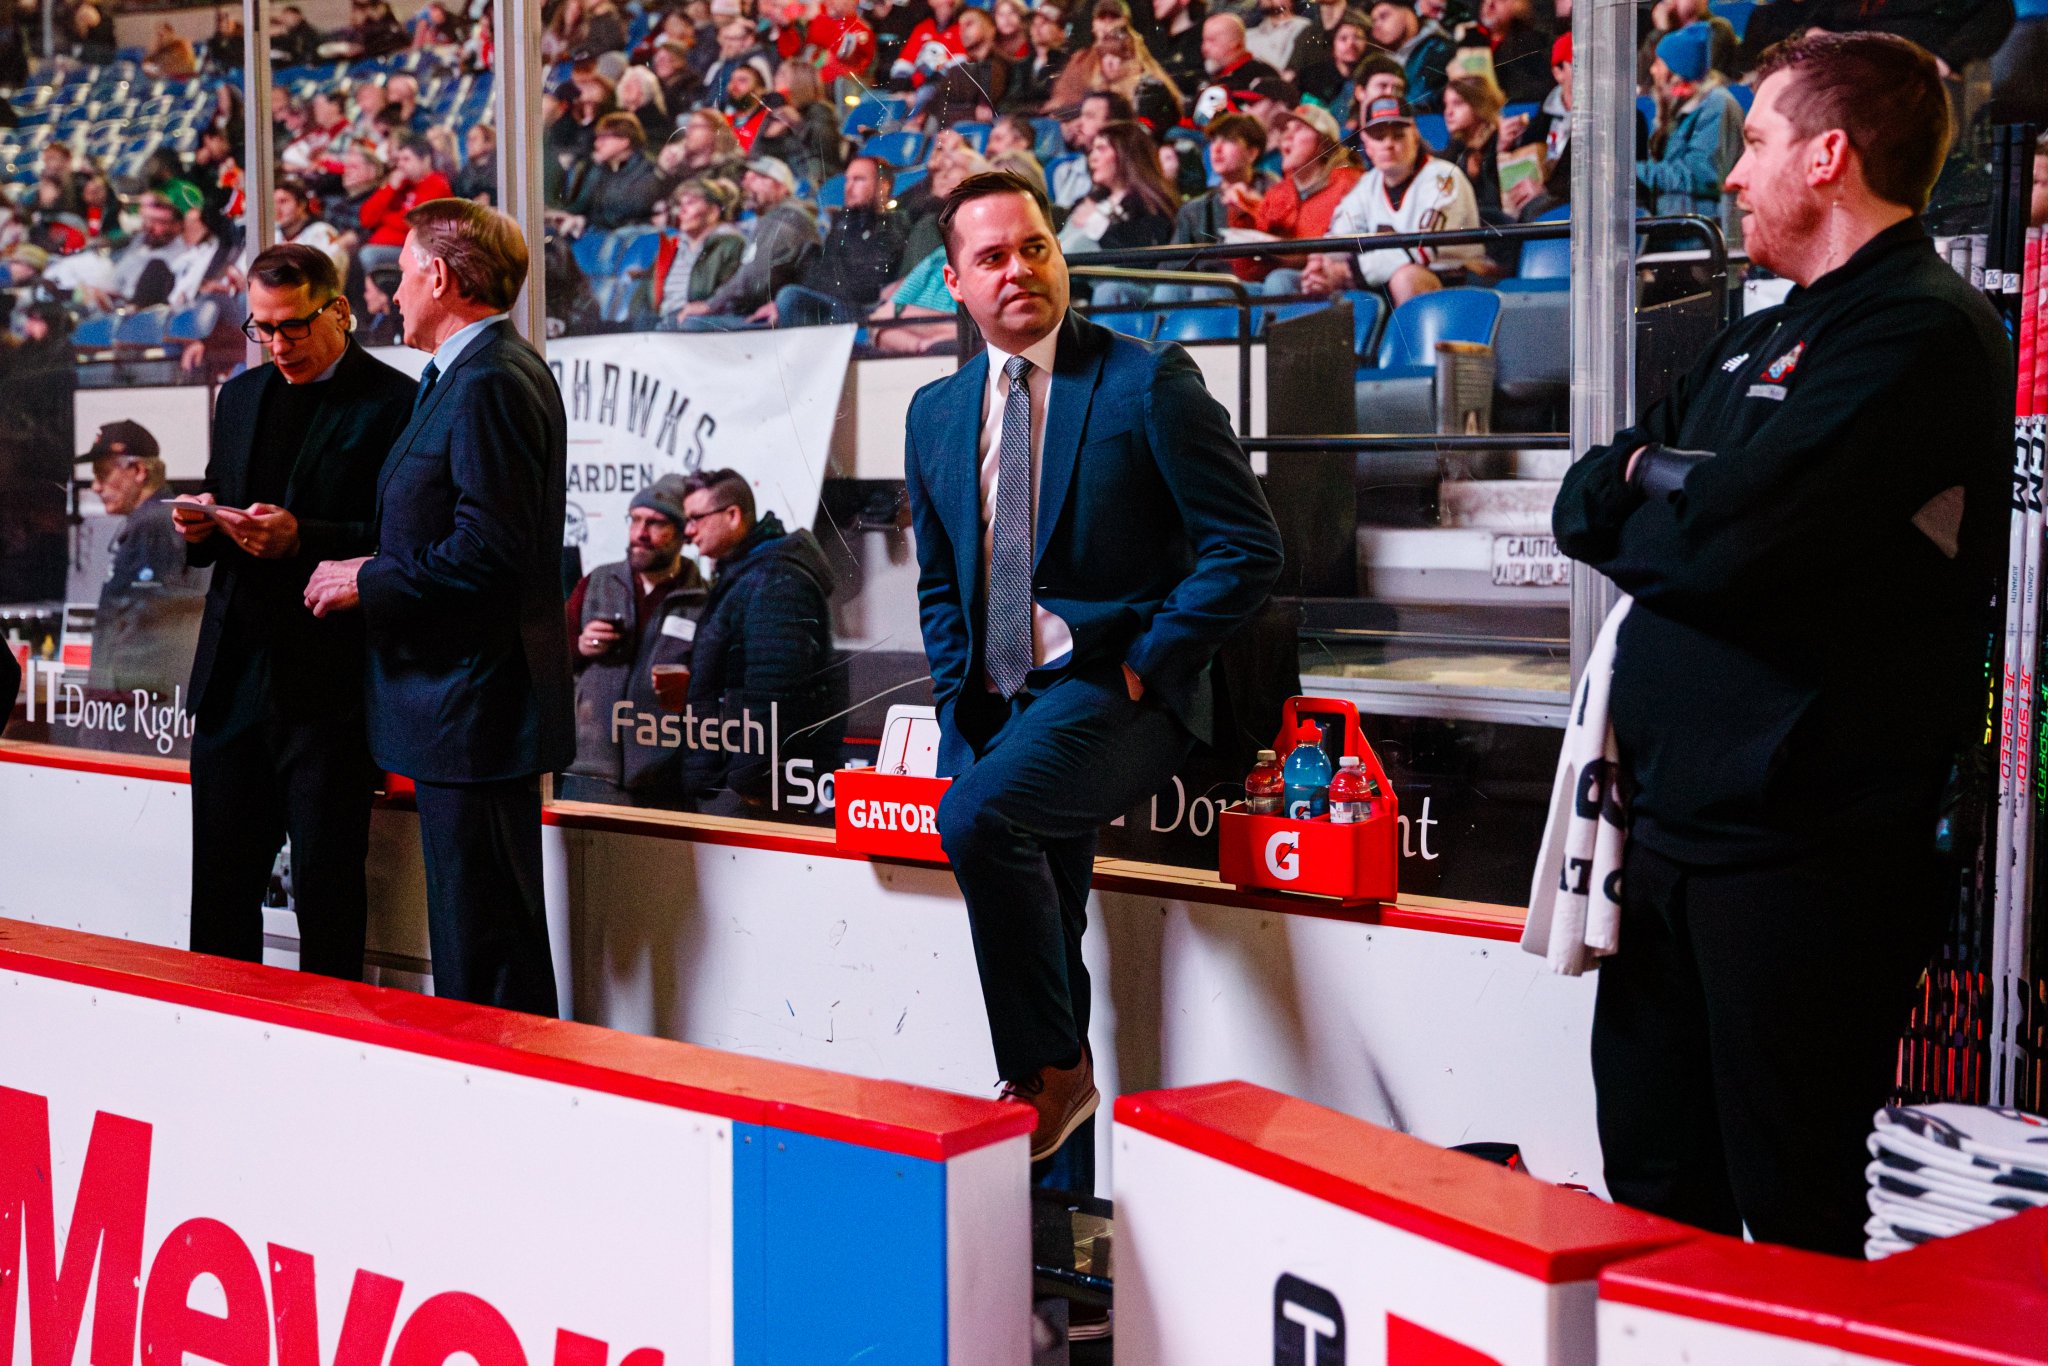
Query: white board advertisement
[175, 1180]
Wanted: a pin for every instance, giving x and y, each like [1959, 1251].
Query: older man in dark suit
[1088, 533]
[469, 685]
[279, 747]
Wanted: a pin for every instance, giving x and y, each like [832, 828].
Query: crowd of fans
[726, 164]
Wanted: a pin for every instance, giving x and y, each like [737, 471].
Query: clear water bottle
[1350, 793]
[1307, 774]
[1264, 786]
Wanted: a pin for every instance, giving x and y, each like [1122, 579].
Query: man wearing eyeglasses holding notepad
[277, 694]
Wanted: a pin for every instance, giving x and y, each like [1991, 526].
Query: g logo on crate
[1308, 1324]
[1285, 866]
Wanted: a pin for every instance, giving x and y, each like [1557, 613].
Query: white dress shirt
[1051, 641]
[450, 351]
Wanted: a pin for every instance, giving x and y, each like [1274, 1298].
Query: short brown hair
[1239, 128]
[623, 126]
[729, 487]
[289, 265]
[483, 249]
[1882, 91]
[981, 185]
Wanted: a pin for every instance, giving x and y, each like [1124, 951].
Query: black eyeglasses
[691, 519]
[291, 329]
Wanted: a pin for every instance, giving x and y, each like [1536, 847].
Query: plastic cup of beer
[672, 685]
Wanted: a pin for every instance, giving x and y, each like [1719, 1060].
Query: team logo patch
[1780, 369]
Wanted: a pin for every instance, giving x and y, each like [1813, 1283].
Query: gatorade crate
[888, 815]
[1357, 862]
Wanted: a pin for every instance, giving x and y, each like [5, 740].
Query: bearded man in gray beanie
[626, 619]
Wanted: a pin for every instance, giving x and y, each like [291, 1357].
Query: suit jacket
[468, 655]
[1153, 541]
[316, 662]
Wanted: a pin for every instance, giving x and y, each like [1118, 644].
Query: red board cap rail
[896, 1117]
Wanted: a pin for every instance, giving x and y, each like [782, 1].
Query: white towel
[1575, 897]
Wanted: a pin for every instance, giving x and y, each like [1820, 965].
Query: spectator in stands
[1083, 71]
[1330, 79]
[765, 635]
[1669, 16]
[297, 222]
[1698, 137]
[1314, 44]
[369, 98]
[1272, 39]
[293, 41]
[640, 95]
[784, 234]
[100, 210]
[974, 86]
[1032, 80]
[1176, 41]
[1472, 106]
[208, 261]
[216, 173]
[710, 147]
[224, 54]
[1552, 126]
[171, 57]
[447, 156]
[148, 619]
[89, 33]
[1013, 30]
[594, 98]
[1316, 175]
[934, 40]
[413, 181]
[1419, 45]
[1405, 190]
[845, 40]
[744, 98]
[1521, 48]
[56, 231]
[1236, 142]
[681, 87]
[802, 127]
[921, 293]
[1230, 64]
[624, 619]
[736, 47]
[1012, 146]
[699, 251]
[479, 178]
[1070, 179]
[142, 273]
[322, 139]
[362, 175]
[844, 282]
[617, 186]
[379, 324]
[1129, 205]
[1272, 101]
[402, 92]
[373, 31]
[436, 26]
[57, 164]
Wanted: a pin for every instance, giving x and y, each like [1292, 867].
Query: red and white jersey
[1438, 198]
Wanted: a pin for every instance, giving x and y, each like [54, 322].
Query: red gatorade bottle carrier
[891, 810]
[1354, 861]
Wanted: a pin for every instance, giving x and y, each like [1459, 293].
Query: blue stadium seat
[1745, 95]
[1548, 258]
[1050, 142]
[639, 254]
[1525, 108]
[1368, 312]
[898, 149]
[1462, 315]
[1132, 322]
[1432, 130]
[866, 113]
[192, 324]
[94, 333]
[1736, 12]
[1052, 167]
[1215, 323]
[589, 251]
[1561, 214]
[832, 194]
[1269, 314]
[909, 179]
[974, 133]
[142, 328]
[1646, 105]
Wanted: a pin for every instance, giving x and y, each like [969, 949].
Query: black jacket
[1802, 661]
[860, 257]
[468, 653]
[614, 197]
[316, 664]
[765, 636]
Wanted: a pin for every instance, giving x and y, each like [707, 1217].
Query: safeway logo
[101, 1264]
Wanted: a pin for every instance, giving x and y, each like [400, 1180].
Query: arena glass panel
[125, 209]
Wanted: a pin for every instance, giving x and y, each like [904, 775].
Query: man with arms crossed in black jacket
[1811, 526]
[469, 689]
[280, 747]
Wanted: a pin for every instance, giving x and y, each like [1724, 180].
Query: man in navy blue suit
[469, 687]
[1088, 533]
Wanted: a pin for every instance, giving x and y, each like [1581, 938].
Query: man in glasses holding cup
[277, 694]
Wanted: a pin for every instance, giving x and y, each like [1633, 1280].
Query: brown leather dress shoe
[1063, 1097]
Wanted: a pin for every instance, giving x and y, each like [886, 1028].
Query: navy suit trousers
[1019, 824]
[486, 918]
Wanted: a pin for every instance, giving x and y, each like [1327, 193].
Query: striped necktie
[1008, 650]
